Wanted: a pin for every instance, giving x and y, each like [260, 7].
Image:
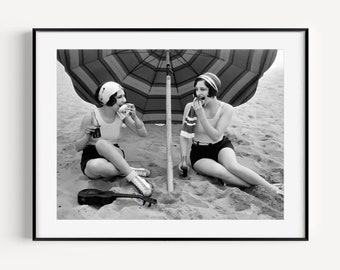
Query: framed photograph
[170, 134]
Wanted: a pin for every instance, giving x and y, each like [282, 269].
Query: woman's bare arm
[136, 125]
[84, 133]
[184, 142]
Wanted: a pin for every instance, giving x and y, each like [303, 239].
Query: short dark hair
[212, 92]
[96, 95]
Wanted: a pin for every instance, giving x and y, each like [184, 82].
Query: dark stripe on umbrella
[243, 97]
[90, 67]
[81, 88]
[236, 92]
[239, 98]
[247, 95]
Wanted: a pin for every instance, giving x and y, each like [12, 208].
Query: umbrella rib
[154, 77]
[140, 65]
[200, 52]
[186, 63]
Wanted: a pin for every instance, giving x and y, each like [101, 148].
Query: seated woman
[102, 156]
[205, 121]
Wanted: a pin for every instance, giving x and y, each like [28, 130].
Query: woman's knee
[92, 166]
[233, 167]
[210, 170]
[96, 166]
[231, 178]
[102, 144]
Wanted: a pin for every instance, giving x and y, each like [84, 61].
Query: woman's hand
[183, 168]
[132, 111]
[85, 133]
[90, 129]
[125, 110]
[134, 123]
[197, 105]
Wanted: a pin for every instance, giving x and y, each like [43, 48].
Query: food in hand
[201, 100]
[124, 110]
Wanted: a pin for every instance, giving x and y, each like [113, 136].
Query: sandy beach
[256, 131]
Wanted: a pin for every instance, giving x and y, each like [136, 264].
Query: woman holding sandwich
[99, 134]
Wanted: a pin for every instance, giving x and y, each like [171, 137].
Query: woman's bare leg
[227, 158]
[100, 167]
[212, 168]
[114, 155]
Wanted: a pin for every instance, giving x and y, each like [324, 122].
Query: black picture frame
[38, 32]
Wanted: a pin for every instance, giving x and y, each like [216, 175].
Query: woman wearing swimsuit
[102, 157]
[212, 153]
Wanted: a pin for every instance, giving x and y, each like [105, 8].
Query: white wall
[18, 251]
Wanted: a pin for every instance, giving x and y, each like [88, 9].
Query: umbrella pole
[170, 179]
[168, 135]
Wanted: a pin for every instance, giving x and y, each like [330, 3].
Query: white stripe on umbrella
[256, 61]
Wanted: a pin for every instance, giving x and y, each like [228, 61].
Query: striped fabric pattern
[189, 124]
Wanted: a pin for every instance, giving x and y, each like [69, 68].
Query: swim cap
[211, 79]
[107, 90]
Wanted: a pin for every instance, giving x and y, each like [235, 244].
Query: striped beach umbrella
[142, 73]
[160, 82]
